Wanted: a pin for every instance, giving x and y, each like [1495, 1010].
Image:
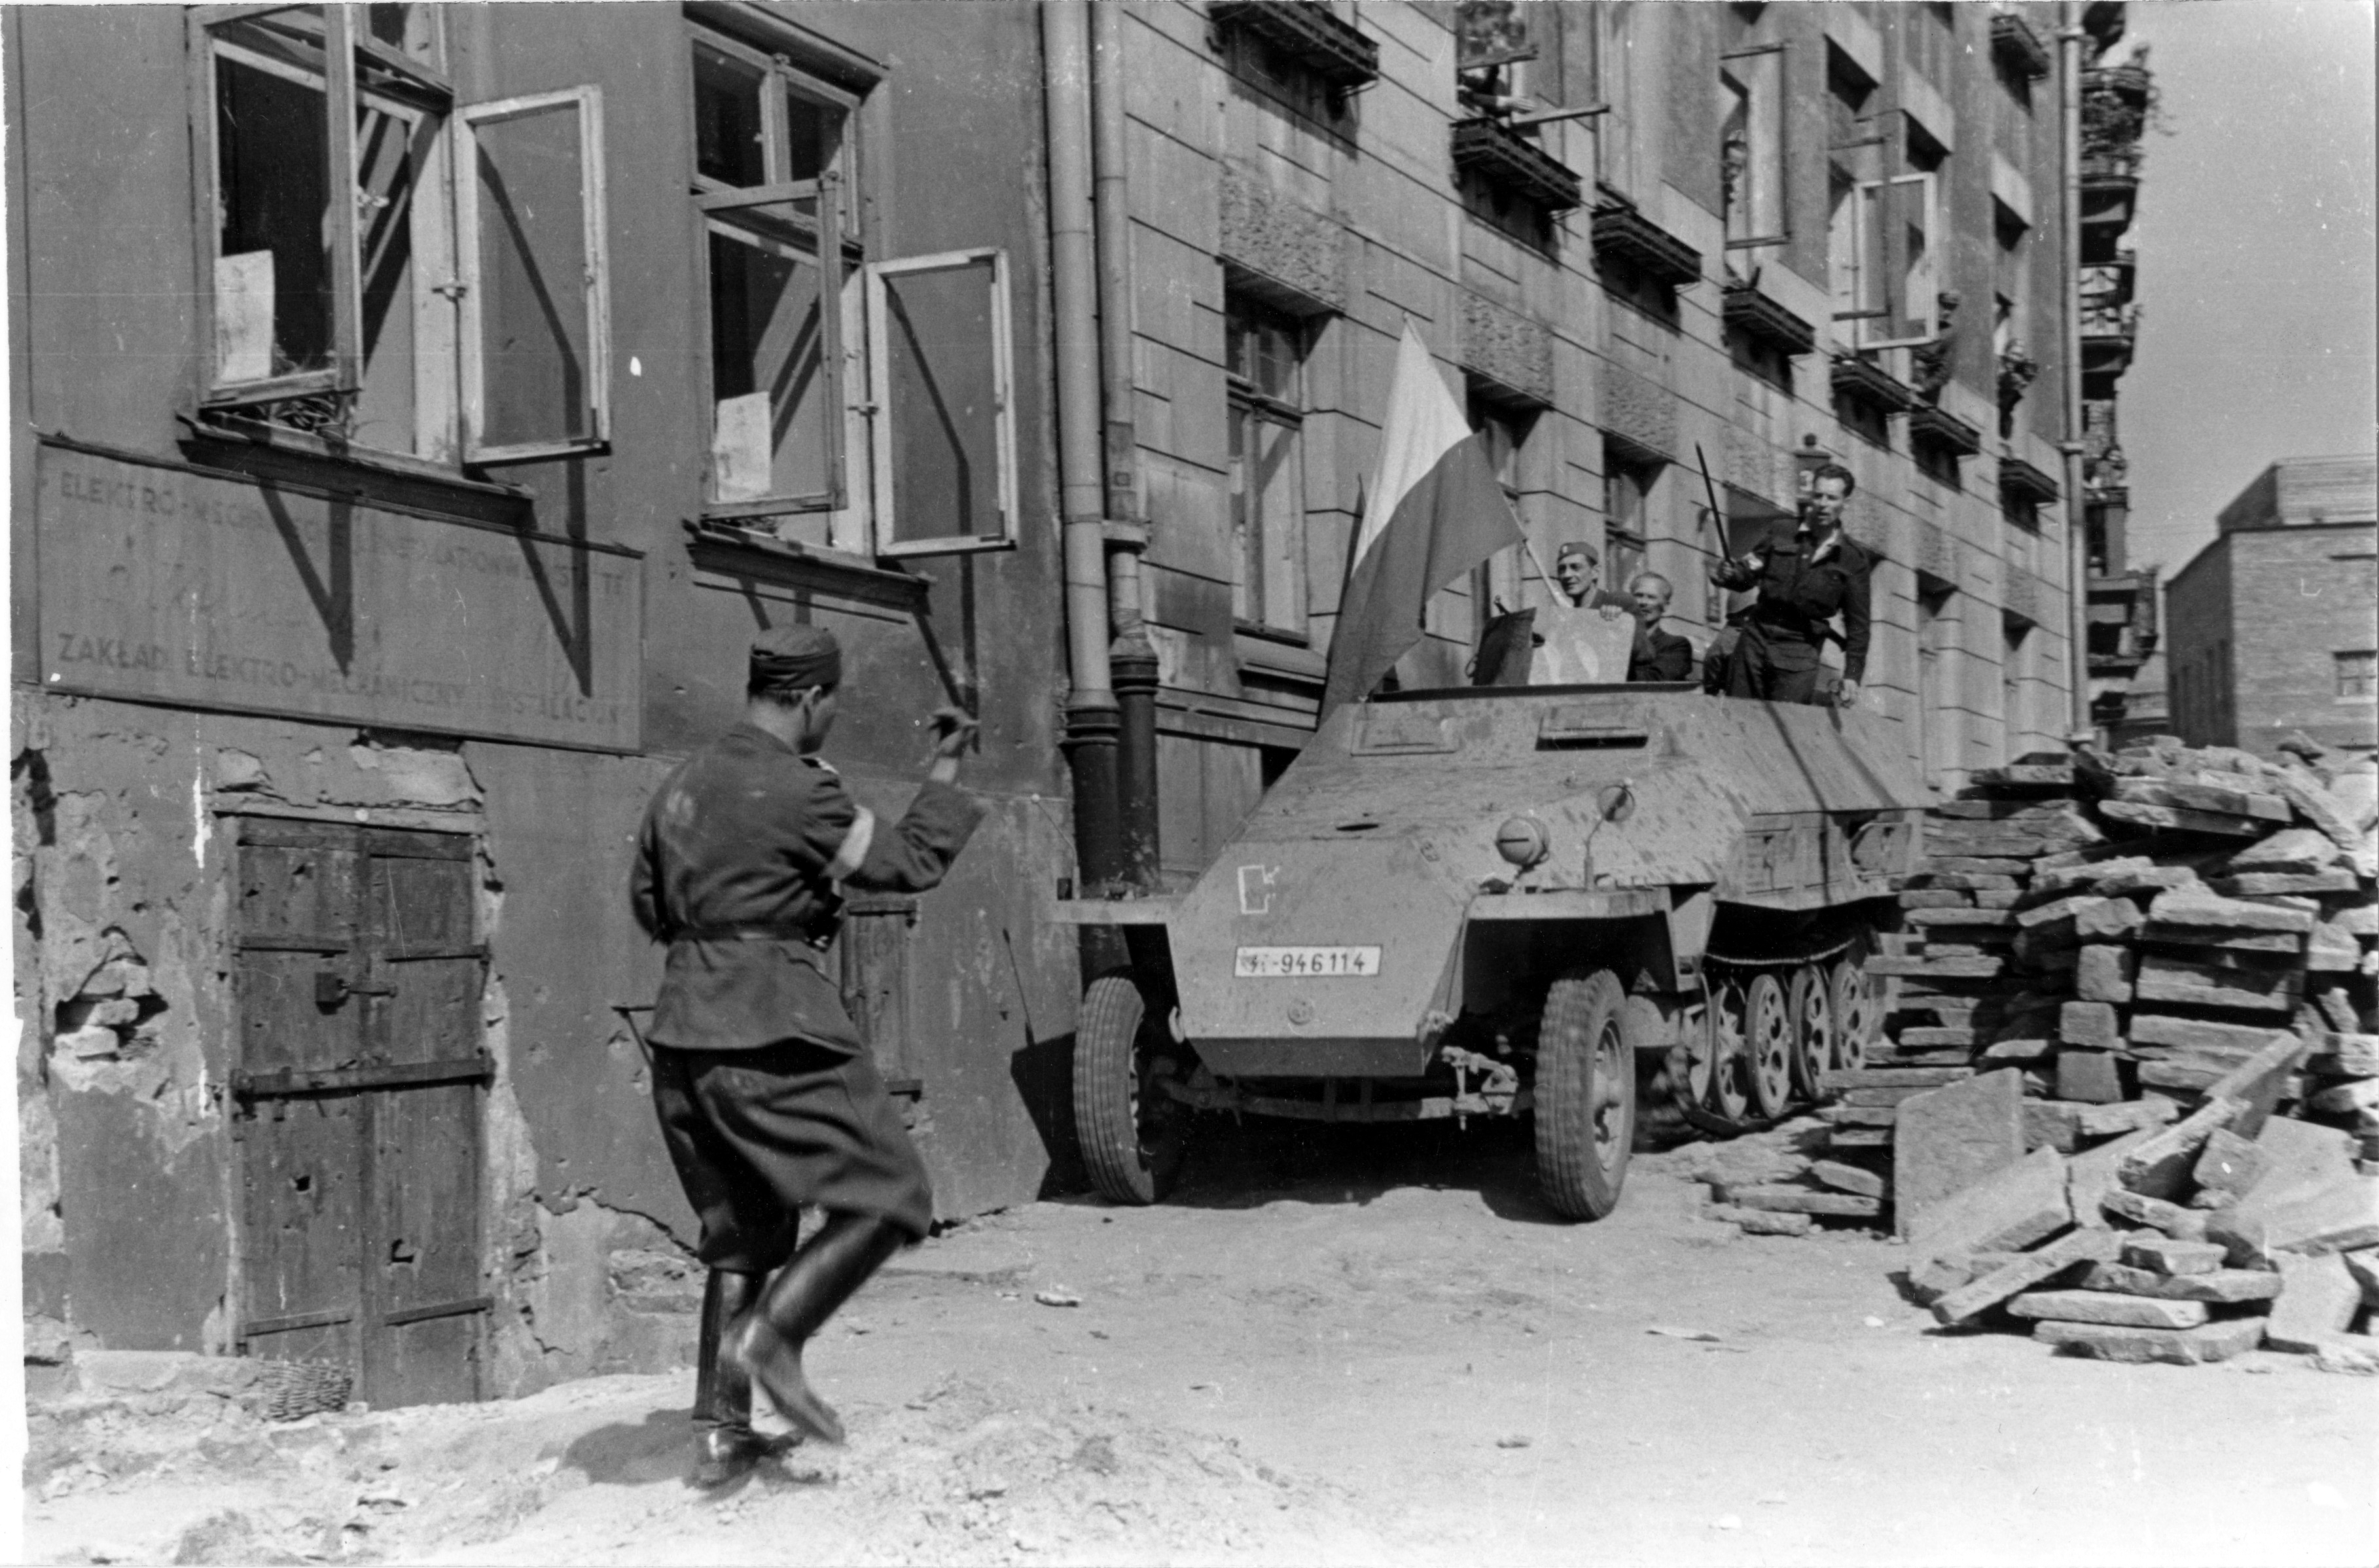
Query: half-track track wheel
[1729, 1094]
[1810, 999]
[1767, 1028]
[1858, 1013]
[1131, 1131]
[1585, 1094]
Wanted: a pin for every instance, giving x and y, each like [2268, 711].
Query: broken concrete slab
[2166, 1256]
[2163, 977]
[2005, 1211]
[2258, 1082]
[2159, 1167]
[2342, 1217]
[2291, 849]
[2223, 1287]
[1948, 1140]
[2227, 1170]
[2074, 1247]
[2105, 1307]
[2108, 1341]
[2189, 1034]
[2265, 883]
[2319, 1296]
[2191, 909]
[2093, 1172]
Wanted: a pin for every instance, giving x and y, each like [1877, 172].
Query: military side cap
[793, 658]
[1577, 547]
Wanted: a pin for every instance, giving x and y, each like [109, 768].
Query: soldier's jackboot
[805, 1293]
[725, 1446]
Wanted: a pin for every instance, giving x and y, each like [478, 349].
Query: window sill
[256, 433]
[854, 572]
[1269, 653]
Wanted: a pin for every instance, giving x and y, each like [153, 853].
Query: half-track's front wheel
[1585, 1094]
[1130, 1130]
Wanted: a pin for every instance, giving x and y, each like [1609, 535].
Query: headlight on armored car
[1523, 841]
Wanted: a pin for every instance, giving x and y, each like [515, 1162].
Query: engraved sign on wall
[167, 583]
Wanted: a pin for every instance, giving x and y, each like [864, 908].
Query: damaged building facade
[417, 409]
[380, 541]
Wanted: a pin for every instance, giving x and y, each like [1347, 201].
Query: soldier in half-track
[1804, 578]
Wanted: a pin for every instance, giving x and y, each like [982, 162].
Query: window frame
[1873, 265]
[879, 374]
[1619, 541]
[595, 230]
[2346, 672]
[1777, 120]
[1248, 405]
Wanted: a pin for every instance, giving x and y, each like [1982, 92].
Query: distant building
[2273, 622]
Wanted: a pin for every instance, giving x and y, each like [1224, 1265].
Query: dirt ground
[1361, 1347]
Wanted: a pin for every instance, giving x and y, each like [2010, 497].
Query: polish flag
[1433, 511]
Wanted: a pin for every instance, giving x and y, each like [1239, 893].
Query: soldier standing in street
[766, 1096]
[1804, 579]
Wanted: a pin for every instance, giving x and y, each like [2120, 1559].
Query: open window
[1888, 239]
[536, 290]
[350, 285]
[773, 159]
[1751, 146]
[942, 380]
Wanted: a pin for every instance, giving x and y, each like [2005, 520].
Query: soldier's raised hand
[954, 729]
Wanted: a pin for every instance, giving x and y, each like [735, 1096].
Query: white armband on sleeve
[853, 853]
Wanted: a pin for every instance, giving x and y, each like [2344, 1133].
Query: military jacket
[1803, 587]
[738, 863]
[1660, 656]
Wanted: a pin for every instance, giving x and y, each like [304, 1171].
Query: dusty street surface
[1370, 1347]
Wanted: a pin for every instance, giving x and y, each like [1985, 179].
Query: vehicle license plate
[1307, 963]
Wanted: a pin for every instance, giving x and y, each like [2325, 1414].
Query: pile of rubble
[2129, 1097]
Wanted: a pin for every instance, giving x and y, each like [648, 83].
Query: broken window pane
[539, 382]
[273, 269]
[768, 387]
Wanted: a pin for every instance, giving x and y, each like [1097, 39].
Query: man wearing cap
[1583, 635]
[766, 1097]
[1804, 578]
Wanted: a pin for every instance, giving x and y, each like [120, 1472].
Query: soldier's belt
[815, 938]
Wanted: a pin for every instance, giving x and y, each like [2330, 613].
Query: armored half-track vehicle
[1508, 902]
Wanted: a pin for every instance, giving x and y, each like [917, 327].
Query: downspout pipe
[2077, 531]
[1132, 658]
[1091, 714]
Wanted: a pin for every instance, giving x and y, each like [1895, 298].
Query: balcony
[1314, 35]
[1496, 155]
[1755, 315]
[1864, 380]
[2131, 83]
[2017, 47]
[2021, 484]
[2108, 335]
[1943, 432]
[1621, 232]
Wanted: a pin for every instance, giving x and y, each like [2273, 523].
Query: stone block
[1948, 1139]
[2223, 1287]
[1974, 865]
[2069, 1251]
[1858, 1137]
[2103, 1307]
[1767, 1222]
[1891, 1078]
[2089, 1075]
[2266, 883]
[2163, 977]
[2291, 849]
[2182, 1074]
[2335, 1054]
[1930, 921]
[2057, 911]
[2090, 1023]
[2182, 1225]
[1933, 1278]
[1847, 1178]
[2164, 1029]
[2050, 1124]
[2108, 1342]
[2305, 1156]
[2365, 1266]
[2193, 910]
[1968, 881]
[2006, 1210]
[2182, 819]
[2106, 920]
[1922, 968]
[2318, 1299]
[2227, 1170]
[2160, 1167]
[1881, 1117]
[2127, 1115]
[1785, 1200]
[2166, 1256]
[1935, 898]
[2154, 879]
[1879, 1096]
[1996, 898]
[2342, 1217]
[2019, 1051]
[2258, 1082]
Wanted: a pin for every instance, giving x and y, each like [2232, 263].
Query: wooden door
[358, 1091]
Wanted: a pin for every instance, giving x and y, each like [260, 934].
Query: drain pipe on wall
[1092, 720]
[2077, 528]
[1132, 658]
